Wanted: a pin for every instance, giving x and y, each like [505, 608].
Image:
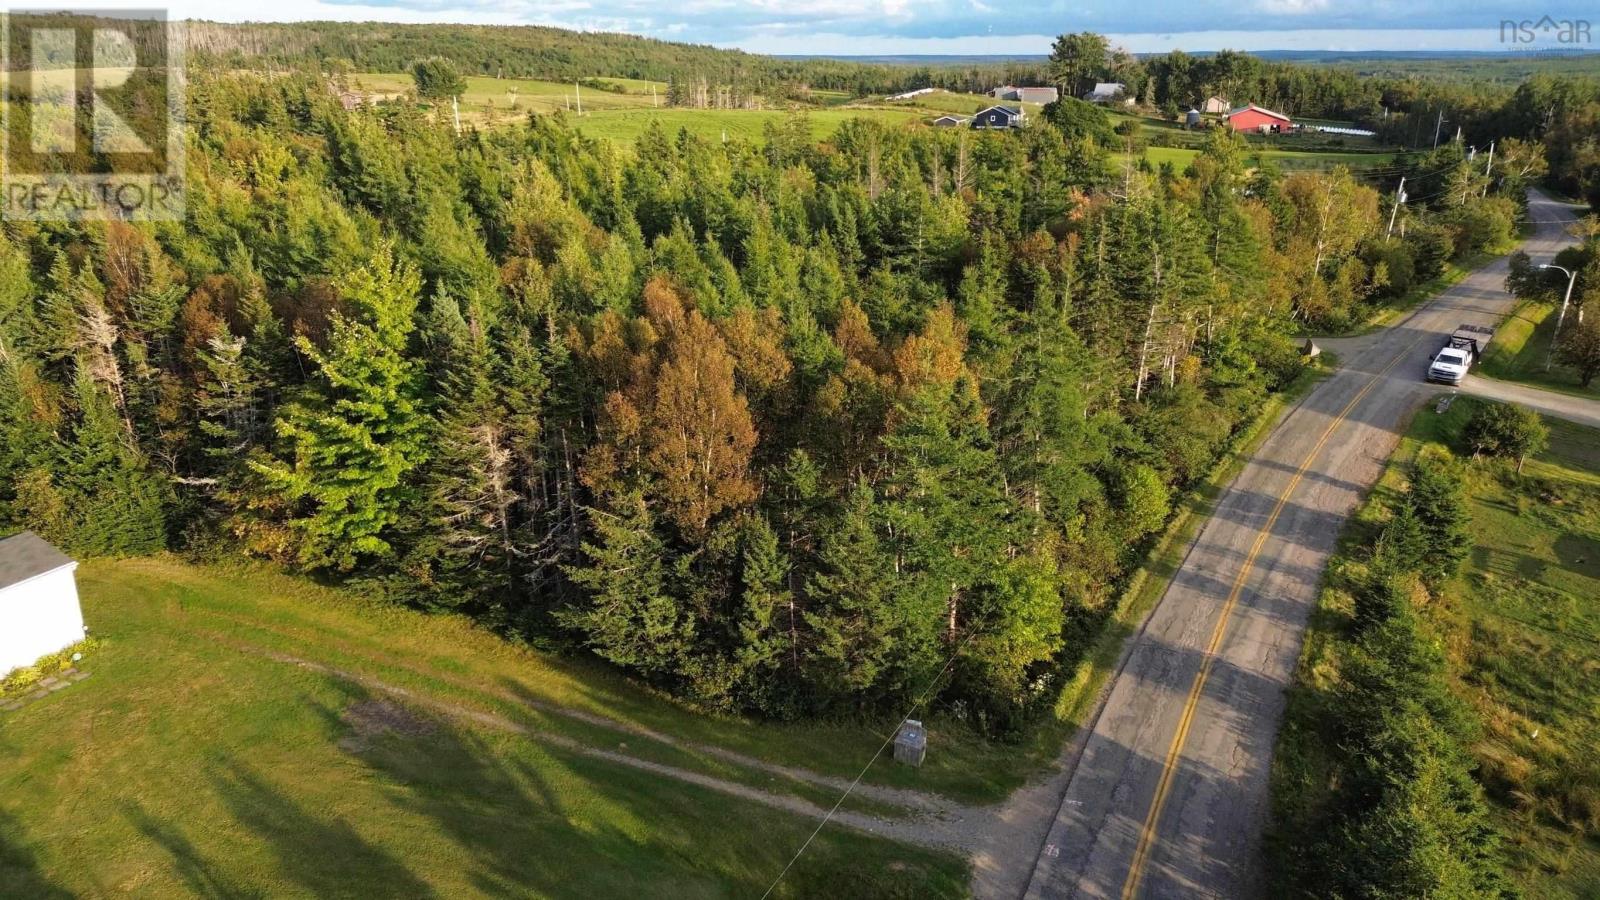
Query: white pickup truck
[1450, 364]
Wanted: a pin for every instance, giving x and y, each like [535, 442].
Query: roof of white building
[22, 556]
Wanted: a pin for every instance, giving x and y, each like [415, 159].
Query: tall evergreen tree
[355, 437]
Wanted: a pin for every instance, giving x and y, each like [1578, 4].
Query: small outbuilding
[1215, 106]
[949, 121]
[1191, 119]
[39, 611]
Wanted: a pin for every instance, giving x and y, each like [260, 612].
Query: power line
[859, 775]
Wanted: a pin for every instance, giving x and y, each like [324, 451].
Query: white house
[39, 612]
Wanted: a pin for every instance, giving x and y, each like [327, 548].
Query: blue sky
[964, 26]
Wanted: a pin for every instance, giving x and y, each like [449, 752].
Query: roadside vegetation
[1440, 735]
[1525, 346]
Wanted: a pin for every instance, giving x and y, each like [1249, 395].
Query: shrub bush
[1505, 429]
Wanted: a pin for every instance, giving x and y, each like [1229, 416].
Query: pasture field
[247, 733]
[489, 101]
[624, 126]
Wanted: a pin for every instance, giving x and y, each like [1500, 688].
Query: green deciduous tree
[1505, 429]
[437, 78]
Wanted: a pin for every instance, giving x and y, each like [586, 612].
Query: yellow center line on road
[1141, 854]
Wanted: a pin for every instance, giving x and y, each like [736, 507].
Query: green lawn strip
[374, 643]
[1147, 584]
[1521, 346]
[183, 767]
[1521, 628]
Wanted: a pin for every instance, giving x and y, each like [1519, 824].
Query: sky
[882, 27]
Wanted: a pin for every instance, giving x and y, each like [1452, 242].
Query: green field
[1520, 626]
[1525, 642]
[242, 734]
[941, 101]
[1521, 346]
[1290, 160]
[625, 126]
[489, 101]
[624, 117]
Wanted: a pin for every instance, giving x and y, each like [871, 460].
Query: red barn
[1254, 118]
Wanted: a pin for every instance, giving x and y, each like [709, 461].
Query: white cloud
[1291, 7]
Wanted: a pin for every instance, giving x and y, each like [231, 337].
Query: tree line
[778, 427]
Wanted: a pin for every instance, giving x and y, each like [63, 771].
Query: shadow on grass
[20, 875]
[198, 874]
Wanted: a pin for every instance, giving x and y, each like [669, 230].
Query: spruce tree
[850, 611]
[629, 614]
[354, 439]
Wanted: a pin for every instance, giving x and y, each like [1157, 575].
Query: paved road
[1170, 794]
[1583, 410]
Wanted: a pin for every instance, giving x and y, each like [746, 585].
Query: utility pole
[577, 91]
[1436, 126]
[654, 100]
[455, 112]
[1399, 198]
[1487, 168]
[1555, 339]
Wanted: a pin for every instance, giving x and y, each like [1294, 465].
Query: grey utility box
[911, 743]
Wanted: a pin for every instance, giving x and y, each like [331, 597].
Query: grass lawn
[192, 762]
[1525, 640]
[1522, 343]
[1521, 629]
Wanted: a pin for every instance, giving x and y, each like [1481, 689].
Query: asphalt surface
[1171, 786]
[1582, 410]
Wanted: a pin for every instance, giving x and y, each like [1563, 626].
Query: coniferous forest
[778, 428]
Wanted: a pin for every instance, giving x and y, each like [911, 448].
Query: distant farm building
[1254, 118]
[910, 94]
[1215, 106]
[39, 612]
[948, 121]
[1192, 118]
[999, 117]
[1109, 92]
[1026, 94]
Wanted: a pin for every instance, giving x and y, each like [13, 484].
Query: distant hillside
[554, 54]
